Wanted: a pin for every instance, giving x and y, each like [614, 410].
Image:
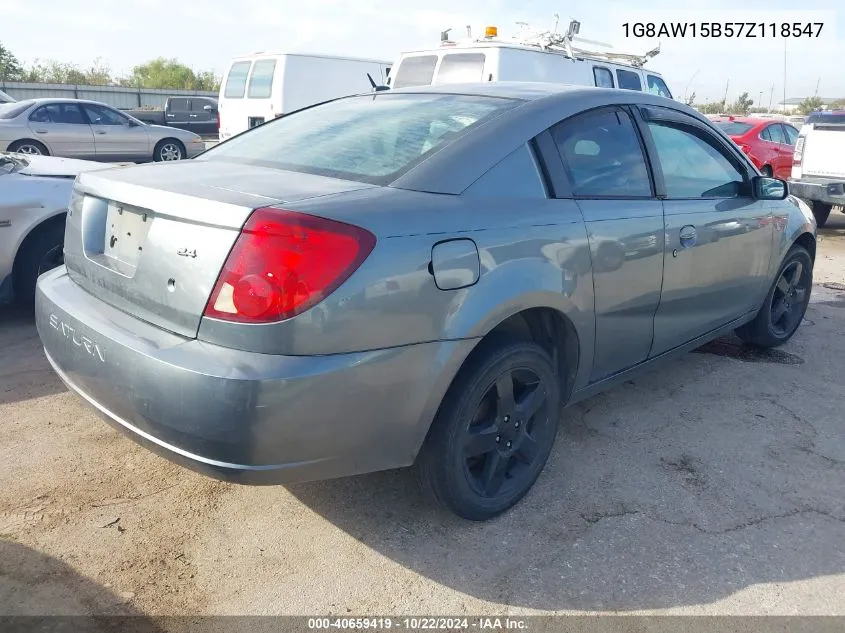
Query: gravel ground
[711, 486]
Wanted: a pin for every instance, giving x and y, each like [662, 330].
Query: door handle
[101, 132]
[40, 131]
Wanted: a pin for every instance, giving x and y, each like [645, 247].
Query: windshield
[734, 128]
[12, 110]
[10, 163]
[370, 139]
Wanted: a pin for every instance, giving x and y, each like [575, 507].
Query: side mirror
[208, 108]
[769, 188]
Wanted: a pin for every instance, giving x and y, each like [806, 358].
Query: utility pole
[771, 97]
[817, 86]
[784, 75]
[760, 102]
[725, 100]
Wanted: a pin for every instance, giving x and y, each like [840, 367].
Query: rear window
[261, 80]
[369, 139]
[657, 86]
[458, 68]
[628, 80]
[415, 71]
[236, 81]
[12, 110]
[603, 77]
[733, 128]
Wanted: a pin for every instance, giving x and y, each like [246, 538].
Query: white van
[263, 86]
[547, 57]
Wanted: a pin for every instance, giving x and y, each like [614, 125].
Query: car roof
[521, 90]
[45, 100]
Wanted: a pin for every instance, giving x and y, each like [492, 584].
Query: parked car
[75, 128]
[818, 169]
[262, 86]
[530, 56]
[769, 144]
[34, 194]
[234, 313]
[6, 98]
[195, 114]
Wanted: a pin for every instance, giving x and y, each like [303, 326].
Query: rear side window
[602, 155]
[775, 134]
[236, 81]
[67, 113]
[791, 134]
[603, 77]
[368, 139]
[179, 105]
[657, 86]
[415, 71]
[628, 80]
[12, 110]
[261, 80]
[461, 68]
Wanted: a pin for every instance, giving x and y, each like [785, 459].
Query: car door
[718, 237]
[778, 145]
[202, 121]
[178, 113]
[791, 135]
[604, 162]
[116, 137]
[63, 128]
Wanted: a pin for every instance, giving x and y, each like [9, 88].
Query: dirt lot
[713, 485]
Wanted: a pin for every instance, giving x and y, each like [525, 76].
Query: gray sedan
[421, 276]
[74, 128]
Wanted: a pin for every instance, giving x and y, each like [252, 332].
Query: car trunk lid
[151, 240]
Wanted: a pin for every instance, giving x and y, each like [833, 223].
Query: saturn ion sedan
[89, 130]
[423, 276]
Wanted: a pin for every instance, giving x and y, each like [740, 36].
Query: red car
[769, 143]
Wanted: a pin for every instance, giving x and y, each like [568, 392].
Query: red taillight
[218, 120]
[284, 263]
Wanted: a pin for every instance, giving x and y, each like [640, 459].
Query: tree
[714, 107]
[10, 67]
[809, 104]
[742, 104]
[169, 73]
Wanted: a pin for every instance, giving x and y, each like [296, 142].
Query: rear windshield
[369, 139]
[12, 110]
[236, 81]
[457, 68]
[734, 128]
[261, 80]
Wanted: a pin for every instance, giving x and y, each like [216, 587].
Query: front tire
[785, 305]
[169, 149]
[494, 431]
[821, 212]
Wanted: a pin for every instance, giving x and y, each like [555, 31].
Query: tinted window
[791, 134]
[58, 113]
[825, 117]
[99, 115]
[602, 155]
[415, 71]
[461, 68]
[12, 110]
[776, 134]
[261, 80]
[692, 165]
[603, 77]
[198, 105]
[236, 81]
[369, 139]
[628, 80]
[733, 128]
[657, 86]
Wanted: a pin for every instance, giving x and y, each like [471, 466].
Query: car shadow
[25, 372]
[682, 487]
[41, 593]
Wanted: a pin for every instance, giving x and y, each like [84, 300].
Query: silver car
[34, 194]
[89, 130]
[421, 276]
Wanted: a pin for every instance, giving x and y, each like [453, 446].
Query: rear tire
[169, 149]
[821, 212]
[494, 431]
[785, 304]
[41, 251]
[29, 147]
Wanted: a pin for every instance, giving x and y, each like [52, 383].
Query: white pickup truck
[818, 164]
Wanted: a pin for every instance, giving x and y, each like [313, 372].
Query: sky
[207, 34]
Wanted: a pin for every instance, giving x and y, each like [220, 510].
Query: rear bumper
[824, 190]
[240, 416]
